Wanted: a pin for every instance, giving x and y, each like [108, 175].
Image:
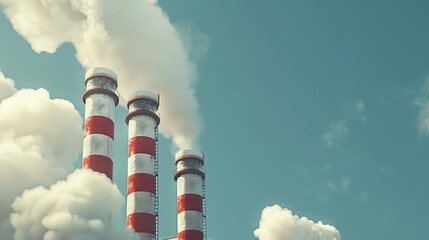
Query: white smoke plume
[135, 38]
[280, 224]
[40, 139]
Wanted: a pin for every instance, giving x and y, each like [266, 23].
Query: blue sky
[307, 104]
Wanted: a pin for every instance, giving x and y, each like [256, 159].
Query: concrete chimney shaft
[190, 178]
[142, 121]
[100, 100]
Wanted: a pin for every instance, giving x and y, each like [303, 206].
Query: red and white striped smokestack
[100, 100]
[142, 121]
[190, 178]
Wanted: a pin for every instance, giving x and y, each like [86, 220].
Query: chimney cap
[100, 72]
[189, 153]
[144, 94]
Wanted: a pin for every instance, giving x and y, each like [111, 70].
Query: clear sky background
[307, 104]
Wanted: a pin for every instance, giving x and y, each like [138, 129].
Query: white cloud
[338, 131]
[40, 139]
[423, 102]
[280, 224]
[343, 184]
[38, 142]
[136, 39]
[360, 106]
[424, 119]
[7, 87]
[359, 110]
[73, 209]
[335, 135]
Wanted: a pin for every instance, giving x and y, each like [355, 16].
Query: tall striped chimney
[142, 201]
[100, 100]
[190, 178]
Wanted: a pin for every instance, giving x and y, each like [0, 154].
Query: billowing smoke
[280, 224]
[133, 37]
[40, 139]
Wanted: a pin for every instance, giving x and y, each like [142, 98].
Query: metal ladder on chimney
[204, 210]
[156, 186]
